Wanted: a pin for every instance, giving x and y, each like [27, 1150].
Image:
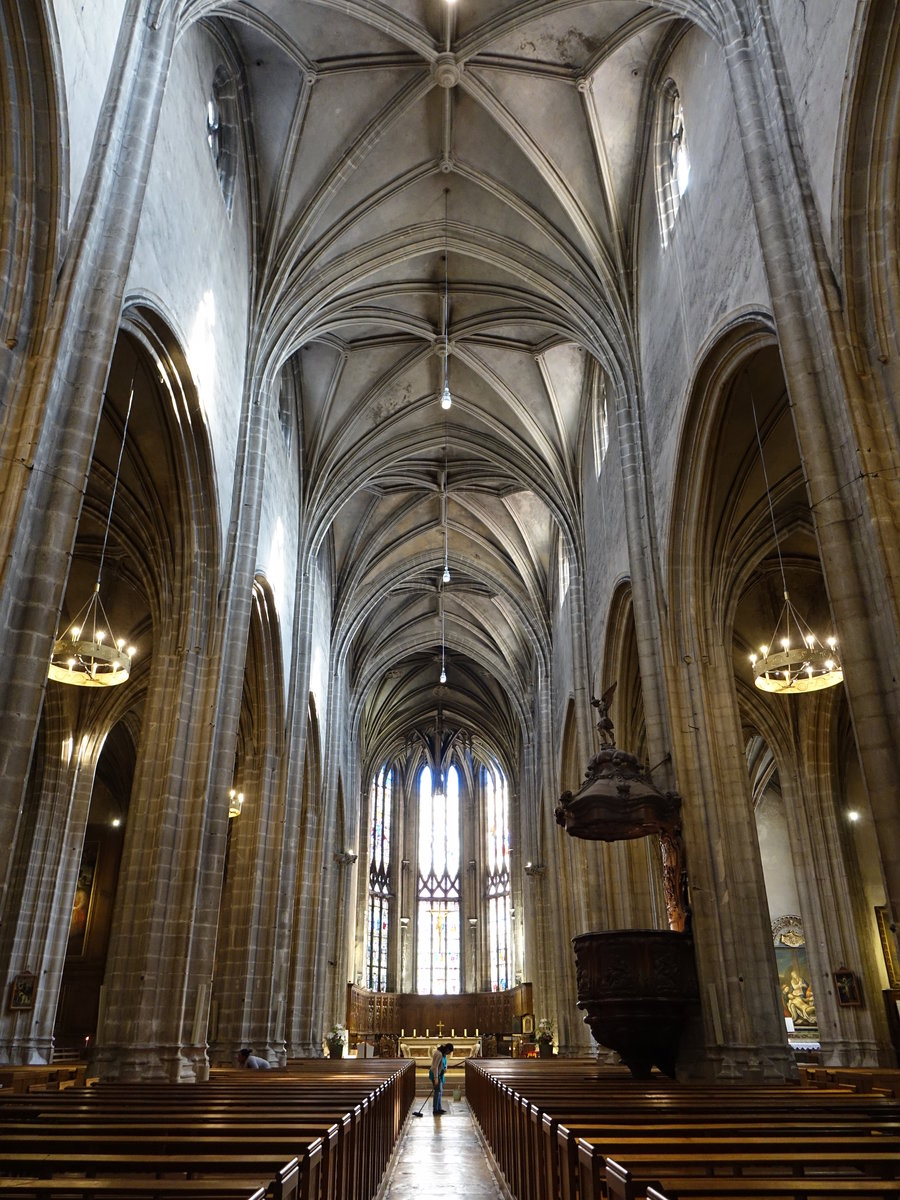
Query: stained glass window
[438, 942]
[379, 883]
[499, 900]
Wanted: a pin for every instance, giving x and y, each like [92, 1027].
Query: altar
[415, 1024]
[422, 1048]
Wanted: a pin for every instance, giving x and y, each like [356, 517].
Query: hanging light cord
[112, 498]
[762, 459]
[446, 287]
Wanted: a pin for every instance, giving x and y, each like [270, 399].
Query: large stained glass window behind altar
[438, 943]
[379, 883]
[499, 901]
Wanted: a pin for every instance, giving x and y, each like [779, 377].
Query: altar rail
[371, 1014]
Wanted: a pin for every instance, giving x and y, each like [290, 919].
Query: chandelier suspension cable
[446, 398]
[115, 487]
[762, 459]
[443, 678]
[445, 578]
[806, 666]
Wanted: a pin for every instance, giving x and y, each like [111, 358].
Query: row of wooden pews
[321, 1130]
[53, 1078]
[573, 1130]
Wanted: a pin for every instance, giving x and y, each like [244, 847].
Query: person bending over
[246, 1058]
[436, 1074]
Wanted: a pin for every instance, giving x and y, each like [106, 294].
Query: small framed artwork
[528, 1023]
[21, 995]
[846, 986]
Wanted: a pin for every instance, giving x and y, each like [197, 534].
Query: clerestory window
[601, 423]
[673, 163]
[221, 131]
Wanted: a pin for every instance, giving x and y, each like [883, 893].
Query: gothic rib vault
[508, 138]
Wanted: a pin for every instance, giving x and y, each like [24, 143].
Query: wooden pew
[535, 1121]
[629, 1178]
[324, 1136]
[772, 1189]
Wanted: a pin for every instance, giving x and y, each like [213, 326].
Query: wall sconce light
[235, 803]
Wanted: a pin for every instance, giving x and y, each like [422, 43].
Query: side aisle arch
[745, 532]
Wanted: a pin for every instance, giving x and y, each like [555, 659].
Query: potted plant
[334, 1039]
[544, 1037]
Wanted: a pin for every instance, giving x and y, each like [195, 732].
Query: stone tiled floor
[441, 1157]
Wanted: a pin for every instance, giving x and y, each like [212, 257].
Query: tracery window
[377, 926]
[673, 164]
[438, 941]
[499, 897]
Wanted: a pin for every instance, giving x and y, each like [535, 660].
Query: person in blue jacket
[436, 1075]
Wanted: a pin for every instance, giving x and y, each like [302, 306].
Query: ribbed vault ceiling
[508, 137]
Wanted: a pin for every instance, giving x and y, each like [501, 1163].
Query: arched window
[221, 131]
[673, 164]
[498, 898]
[601, 422]
[379, 883]
[437, 893]
[563, 579]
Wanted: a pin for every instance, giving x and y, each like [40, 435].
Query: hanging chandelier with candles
[794, 660]
[87, 654]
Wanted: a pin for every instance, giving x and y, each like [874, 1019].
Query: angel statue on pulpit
[604, 724]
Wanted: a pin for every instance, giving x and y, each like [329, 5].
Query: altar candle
[402, 1032]
[453, 1033]
[466, 1031]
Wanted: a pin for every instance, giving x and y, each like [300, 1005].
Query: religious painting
[21, 995]
[528, 1023]
[846, 987]
[797, 1000]
[81, 905]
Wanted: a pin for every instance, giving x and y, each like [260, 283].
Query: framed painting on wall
[846, 987]
[21, 995]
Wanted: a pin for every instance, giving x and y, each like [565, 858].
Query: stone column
[852, 505]
[50, 853]
[563, 889]
[743, 1030]
[54, 407]
[235, 600]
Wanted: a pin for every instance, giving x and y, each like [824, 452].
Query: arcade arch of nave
[275, 224]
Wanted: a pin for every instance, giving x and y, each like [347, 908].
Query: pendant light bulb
[446, 398]
[445, 578]
[443, 676]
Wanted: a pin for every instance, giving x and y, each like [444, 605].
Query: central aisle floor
[441, 1157]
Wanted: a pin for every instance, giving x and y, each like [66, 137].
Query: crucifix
[440, 1028]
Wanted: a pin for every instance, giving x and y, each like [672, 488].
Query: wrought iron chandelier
[87, 654]
[794, 660]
